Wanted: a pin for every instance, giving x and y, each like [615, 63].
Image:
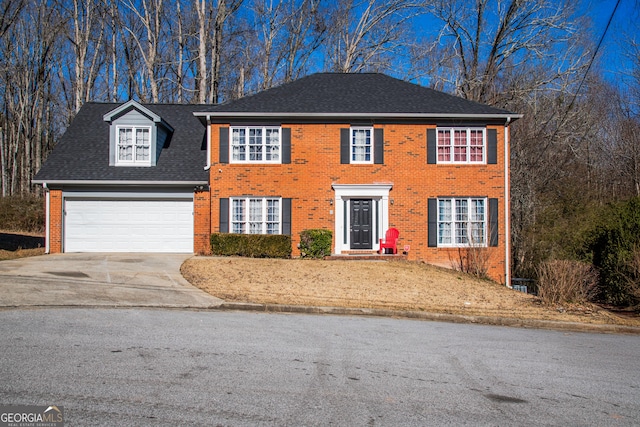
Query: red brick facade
[315, 167]
[201, 222]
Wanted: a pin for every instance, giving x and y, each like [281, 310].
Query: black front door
[361, 230]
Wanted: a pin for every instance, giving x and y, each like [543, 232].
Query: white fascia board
[225, 114]
[101, 182]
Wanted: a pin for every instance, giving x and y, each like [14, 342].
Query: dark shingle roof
[83, 152]
[355, 94]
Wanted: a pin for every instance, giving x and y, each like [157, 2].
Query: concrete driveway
[100, 279]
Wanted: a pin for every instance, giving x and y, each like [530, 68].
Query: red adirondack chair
[390, 241]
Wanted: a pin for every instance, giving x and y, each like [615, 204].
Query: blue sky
[613, 61]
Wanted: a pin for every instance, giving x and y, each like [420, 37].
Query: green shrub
[315, 243]
[251, 245]
[613, 246]
[24, 213]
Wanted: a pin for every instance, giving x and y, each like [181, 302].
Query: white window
[255, 145]
[255, 215]
[462, 222]
[459, 145]
[361, 148]
[134, 145]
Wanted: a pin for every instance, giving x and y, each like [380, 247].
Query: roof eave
[233, 114]
[117, 182]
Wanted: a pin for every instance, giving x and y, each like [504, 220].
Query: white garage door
[110, 225]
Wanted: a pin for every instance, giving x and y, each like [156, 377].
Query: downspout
[47, 203]
[507, 204]
[208, 165]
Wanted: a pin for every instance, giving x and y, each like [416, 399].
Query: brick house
[352, 153]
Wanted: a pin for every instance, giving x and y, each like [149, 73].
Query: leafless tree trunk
[289, 32]
[203, 45]
[224, 9]
[26, 74]
[365, 34]
[150, 16]
[85, 16]
[307, 31]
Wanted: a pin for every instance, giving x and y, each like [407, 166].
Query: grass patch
[396, 285]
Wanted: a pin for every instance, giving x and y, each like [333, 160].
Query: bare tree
[488, 39]
[225, 9]
[306, 30]
[203, 44]
[9, 13]
[86, 34]
[288, 33]
[26, 77]
[149, 13]
[364, 35]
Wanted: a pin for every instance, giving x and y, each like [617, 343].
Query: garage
[128, 224]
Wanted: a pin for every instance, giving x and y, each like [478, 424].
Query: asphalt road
[171, 367]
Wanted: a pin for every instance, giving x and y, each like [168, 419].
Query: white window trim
[245, 227]
[264, 145]
[351, 144]
[453, 243]
[452, 146]
[133, 162]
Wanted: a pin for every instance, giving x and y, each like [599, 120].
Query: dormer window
[134, 145]
[137, 135]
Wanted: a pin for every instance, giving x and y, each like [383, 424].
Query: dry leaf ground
[397, 285]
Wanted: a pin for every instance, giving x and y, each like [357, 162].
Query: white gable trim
[133, 105]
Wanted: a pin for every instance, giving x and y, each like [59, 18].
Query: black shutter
[224, 215]
[431, 147]
[286, 146]
[492, 146]
[493, 222]
[378, 146]
[344, 146]
[432, 214]
[286, 217]
[224, 145]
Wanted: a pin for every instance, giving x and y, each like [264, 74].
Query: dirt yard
[397, 285]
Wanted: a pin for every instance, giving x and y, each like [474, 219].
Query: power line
[593, 57]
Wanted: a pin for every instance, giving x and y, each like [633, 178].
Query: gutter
[47, 210]
[223, 114]
[507, 204]
[208, 165]
[105, 182]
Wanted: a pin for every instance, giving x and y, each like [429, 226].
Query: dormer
[136, 135]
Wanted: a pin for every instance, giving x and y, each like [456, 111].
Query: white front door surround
[378, 193]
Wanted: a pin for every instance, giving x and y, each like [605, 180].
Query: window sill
[135, 165]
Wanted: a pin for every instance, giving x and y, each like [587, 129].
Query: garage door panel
[108, 225]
